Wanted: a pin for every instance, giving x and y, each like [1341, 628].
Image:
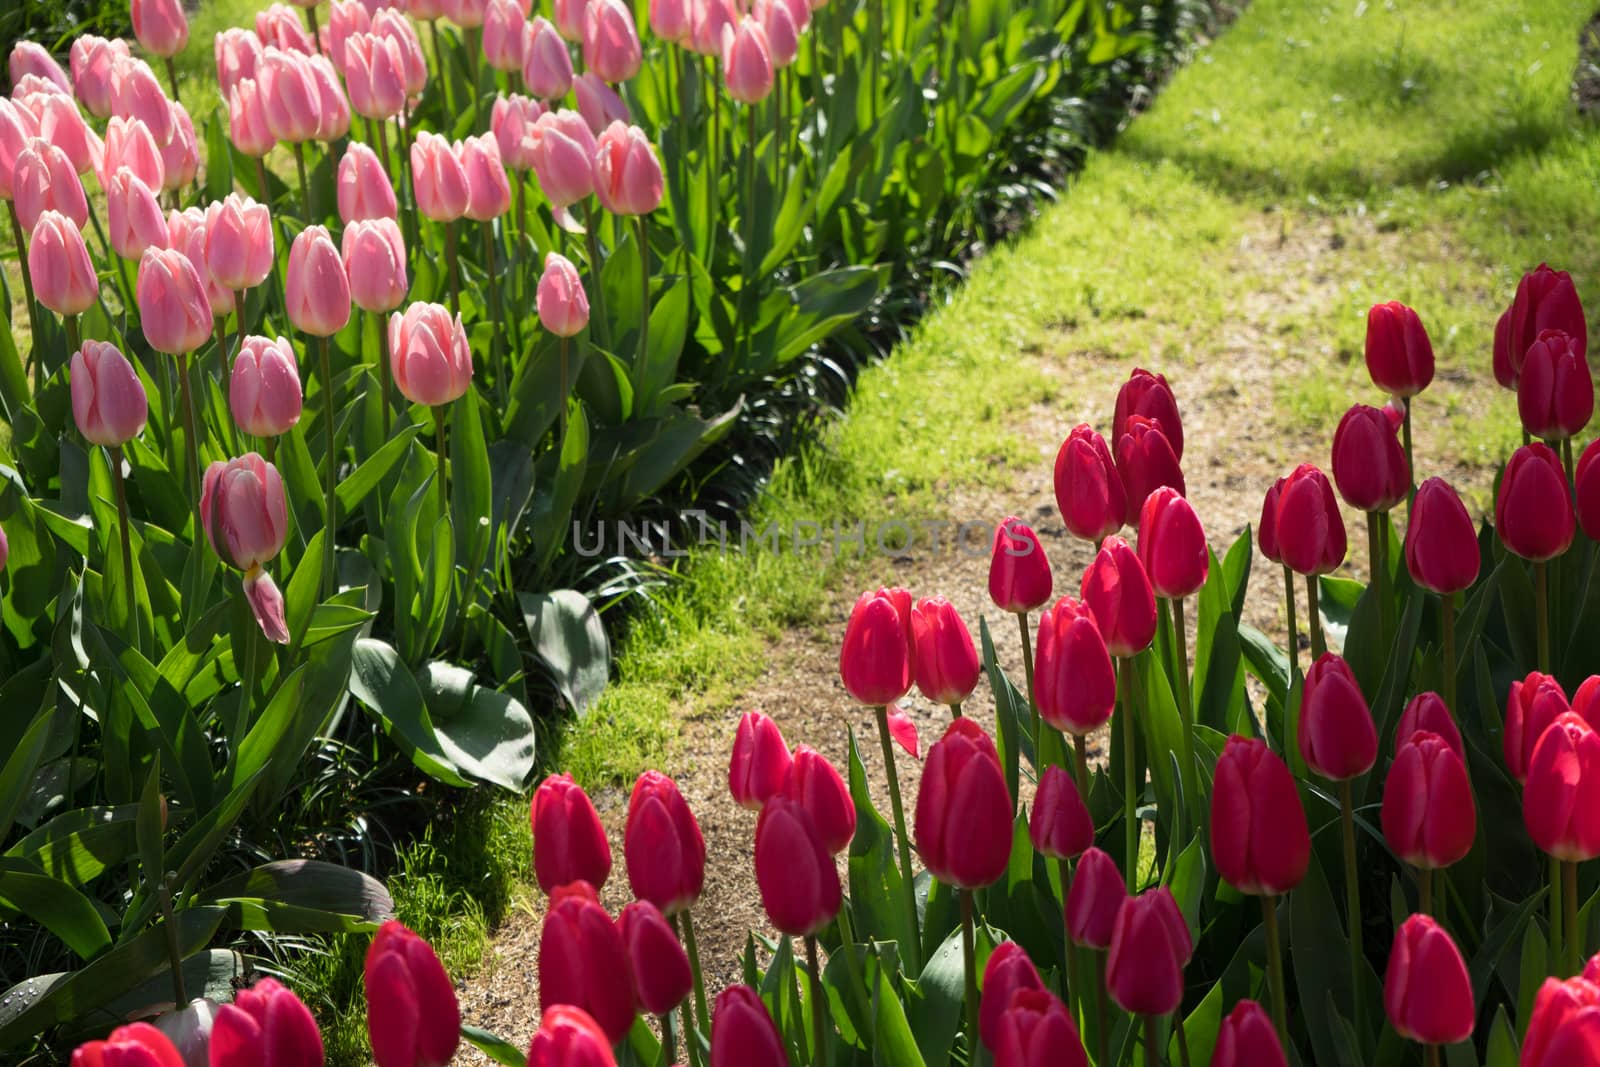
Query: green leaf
[823, 303]
[486, 734]
[54, 904]
[936, 1013]
[497, 1048]
[1502, 1041]
[875, 885]
[385, 687]
[359, 484]
[311, 885]
[78, 846]
[569, 639]
[471, 495]
[1011, 711]
[553, 508]
[16, 775]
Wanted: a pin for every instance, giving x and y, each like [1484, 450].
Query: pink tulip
[280, 27]
[598, 103]
[291, 99]
[429, 355]
[747, 61]
[61, 123]
[108, 400]
[610, 40]
[569, 17]
[244, 512]
[173, 309]
[92, 58]
[43, 180]
[18, 126]
[137, 94]
[488, 190]
[375, 75]
[783, 34]
[247, 119]
[426, 9]
[316, 291]
[468, 14]
[512, 121]
[363, 186]
[30, 58]
[504, 30]
[239, 244]
[670, 20]
[389, 23]
[562, 303]
[333, 109]
[710, 20]
[563, 158]
[627, 175]
[375, 263]
[186, 232]
[437, 178]
[129, 143]
[63, 275]
[546, 63]
[181, 158]
[161, 26]
[133, 216]
[264, 389]
[346, 18]
[238, 54]
[760, 761]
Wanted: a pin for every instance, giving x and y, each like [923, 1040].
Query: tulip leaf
[497, 1048]
[486, 734]
[552, 509]
[1319, 956]
[77, 846]
[875, 885]
[1219, 663]
[354, 489]
[471, 495]
[1011, 711]
[55, 905]
[570, 640]
[17, 772]
[386, 688]
[893, 1042]
[1502, 1050]
[313, 885]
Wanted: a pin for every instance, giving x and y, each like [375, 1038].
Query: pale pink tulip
[133, 216]
[279, 26]
[238, 54]
[375, 74]
[333, 110]
[374, 256]
[563, 305]
[611, 41]
[92, 58]
[291, 98]
[30, 58]
[43, 180]
[180, 160]
[569, 16]
[264, 392]
[62, 124]
[18, 126]
[239, 242]
[598, 103]
[247, 119]
[137, 94]
[364, 189]
[512, 123]
[160, 25]
[546, 63]
[783, 33]
[488, 190]
[316, 290]
[129, 143]
[504, 28]
[173, 310]
[627, 175]
[108, 399]
[563, 158]
[437, 178]
[429, 355]
[389, 23]
[672, 20]
[747, 61]
[58, 261]
[186, 232]
[346, 18]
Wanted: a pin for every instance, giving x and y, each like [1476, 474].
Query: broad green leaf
[385, 687]
[495, 1047]
[570, 640]
[486, 734]
[54, 904]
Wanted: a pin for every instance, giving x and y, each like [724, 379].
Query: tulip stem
[1541, 611]
[331, 476]
[955, 709]
[190, 445]
[969, 956]
[1569, 904]
[174, 950]
[819, 1000]
[1352, 898]
[591, 241]
[1183, 1036]
[1152, 1054]
[1319, 644]
[1033, 706]
[385, 375]
[689, 943]
[442, 451]
[1100, 1008]
[1069, 977]
[669, 1038]
[562, 444]
[1269, 921]
[1191, 787]
[1566, 460]
[912, 950]
[438, 66]
[1130, 800]
[487, 228]
[1377, 552]
[127, 551]
[643, 360]
[452, 257]
[1425, 890]
[1405, 437]
[1081, 751]
[27, 287]
[1433, 1055]
[1557, 918]
[305, 185]
[1447, 626]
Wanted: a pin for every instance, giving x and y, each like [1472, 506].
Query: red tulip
[946, 664]
[1247, 1038]
[1587, 489]
[661, 974]
[1533, 704]
[1426, 991]
[583, 962]
[1555, 391]
[1308, 526]
[569, 844]
[412, 1014]
[1561, 797]
[1118, 593]
[1008, 972]
[1088, 488]
[1429, 818]
[1427, 712]
[1036, 1030]
[265, 1026]
[799, 884]
[875, 659]
[1259, 838]
[1399, 354]
[134, 1045]
[1337, 738]
[1147, 460]
[1150, 946]
[1369, 466]
[1267, 528]
[1149, 395]
[569, 1037]
[1564, 1029]
[1533, 513]
[1093, 901]
[1019, 573]
[1172, 545]
[666, 854]
[963, 817]
[1546, 300]
[1586, 701]
[1073, 680]
[816, 784]
[1060, 826]
[1441, 541]
[742, 1033]
[760, 761]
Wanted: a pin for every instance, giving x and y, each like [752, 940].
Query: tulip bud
[563, 159]
[136, 95]
[62, 125]
[1019, 573]
[390, 23]
[1426, 991]
[264, 387]
[742, 1033]
[1008, 972]
[64, 278]
[238, 53]
[798, 881]
[661, 975]
[1088, 488]
[1555, 391]
[18, 126]
[610, 40]
[583, 962]
[875, 660]
[43, 179]
[512, 121]
[710, 20]
[1533, 704]
[186, 233]
[375, 75]
[760, 761]
[133, 215]
[28, 57]
[346, 19]
[1117, 592]
[1369, 466]
[817, 786]
[783, 34]
[747, 61]
[1150, 945]
[247, 119]
[5, 549]
[1172, 545]
[1427, 712]
[1533, 513]
[438, 179]
[412, 1015]
[1399, 354]
[92, 58]
[1267, 528]
[598, 103]
[291, 98]
[239, 242]
[1247, 1038]
[672, 20]
[1259, 838]
[243, 510]
[1148, 395]
[280, 27]
[333, 108]
[428, 354]
[265, 1024]
[1073, 679]
[569, 1037]
[174, 310]
[504, 26]
[317, 291]
[1546, 300]
[189, 1029]
[135, 1045]
[661, 841]
[1441, 543]
[568, 15]
[627, 175]
[963, 817]
[1337, 738]
[1429, 818]
[1586, 479]
[1561, 797]
[108, 399]
[563, 305]
[363, 186]
[1564, 1028]
[569, 843]
[160, 25]
[1147, 461]
[947, 667]
[488, 190]
[1308, 526]
[546, 63]
[1060, 826]
[374, 257]
[1036, 1030]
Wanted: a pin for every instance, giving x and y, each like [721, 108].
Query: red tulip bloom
[1441, 541]
[1308, 526]
[1267, 528]
[1426, 991]
[799, 884]
[1036, 1030]
[1534, 703]
[1399, 354]
[875, 659]
[1093, 901]
[1088, 488]
[1587, 489]
[1337, 738]
[1073, 680]
[1172, 545]
[569, 1037]
[660, 967]
[818, 787]
[1019, 573]
[1564, 1029]
[1148, 395]
[1533, 513]
[666, 854]
[1546, 300]
[134, 1045]
[963, 817]
[1147, 460]
[1259, 838]
[760, 761]
[265, 1026]
[1429, 818]
[1369, 466]
[569, 844]
[1561, 798]
[742, 1033]
[583, 961]
[412, 1014]
[1555, 391]
[1118, 593]
[1060, 826]
[946, 665]
[1247, 1038]
[1008, 972]
[1150, 946]
[1427, 712]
